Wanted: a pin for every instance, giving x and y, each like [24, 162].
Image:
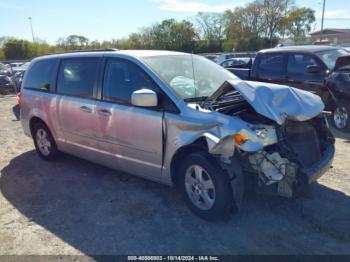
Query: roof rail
[91, 50]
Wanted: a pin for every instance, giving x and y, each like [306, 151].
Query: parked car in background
[239, 62]
[226, 56]
[15, 65]
[5, 70]
[310, 68]
[178, 119]
[18, 75]
[6, 85]
[211, 57]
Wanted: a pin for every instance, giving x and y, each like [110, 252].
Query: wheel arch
[336, 95]
[33, 121]
[200, 144]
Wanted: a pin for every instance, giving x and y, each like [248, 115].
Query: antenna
[194, 77]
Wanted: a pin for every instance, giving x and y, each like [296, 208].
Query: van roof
[134, 53]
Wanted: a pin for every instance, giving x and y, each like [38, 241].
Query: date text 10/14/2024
[173, 258]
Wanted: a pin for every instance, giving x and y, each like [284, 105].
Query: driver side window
[298, 63]
[122, 78]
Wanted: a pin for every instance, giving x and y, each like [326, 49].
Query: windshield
[190, 76]
[329, 57]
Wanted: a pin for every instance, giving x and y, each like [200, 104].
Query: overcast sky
[107, 19]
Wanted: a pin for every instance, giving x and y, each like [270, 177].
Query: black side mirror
[46, 87]
[313, 69]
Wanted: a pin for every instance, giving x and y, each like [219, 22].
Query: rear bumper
[315, 171]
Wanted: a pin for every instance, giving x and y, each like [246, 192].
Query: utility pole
[31, 28]
[324, 4]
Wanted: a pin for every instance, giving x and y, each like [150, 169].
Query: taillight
[19, 99]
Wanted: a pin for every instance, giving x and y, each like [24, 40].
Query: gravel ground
[75, 207]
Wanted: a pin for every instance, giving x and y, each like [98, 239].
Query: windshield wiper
[196, 99]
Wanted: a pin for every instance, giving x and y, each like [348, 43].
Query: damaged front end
[286, 143]
[303, 153]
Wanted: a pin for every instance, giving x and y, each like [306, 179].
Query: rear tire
[341, 115]
[44, 142]
[206, 187]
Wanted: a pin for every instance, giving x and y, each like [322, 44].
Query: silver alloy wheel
[199, 187]
[43, 142]
[340, 117]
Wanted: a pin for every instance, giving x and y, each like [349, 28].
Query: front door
[133, 136]
[298, 76]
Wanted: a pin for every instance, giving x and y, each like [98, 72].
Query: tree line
[258, 24]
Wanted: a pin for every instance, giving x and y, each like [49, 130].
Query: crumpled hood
[279, 102]
[342, 62]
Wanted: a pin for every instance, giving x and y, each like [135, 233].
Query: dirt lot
[76, 207]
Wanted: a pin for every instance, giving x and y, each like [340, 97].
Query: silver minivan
[177, 119]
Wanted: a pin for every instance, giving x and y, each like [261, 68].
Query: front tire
[206, 187]
[341, 115]
[44, 142]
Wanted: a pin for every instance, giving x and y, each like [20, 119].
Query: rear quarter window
[41, 75]
[273, 62]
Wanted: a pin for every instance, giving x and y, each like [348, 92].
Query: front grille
[304, 141]
[300, 141]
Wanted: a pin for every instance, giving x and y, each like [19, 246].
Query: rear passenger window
[77, 77]
[272, 62]
[41, 75]
[122, 78]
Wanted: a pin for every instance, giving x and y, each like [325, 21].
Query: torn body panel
[303, 153]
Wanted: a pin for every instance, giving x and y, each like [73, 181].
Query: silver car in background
[177, 119]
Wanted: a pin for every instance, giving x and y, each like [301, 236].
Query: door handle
[104, 112]
[85, 109]
[288, 79]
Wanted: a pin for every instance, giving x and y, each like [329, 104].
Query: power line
[324, 5]
[31, 28]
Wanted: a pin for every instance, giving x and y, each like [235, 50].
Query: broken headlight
[261, 133]
[257, 138]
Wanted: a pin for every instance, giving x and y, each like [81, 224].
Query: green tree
[211, 26]
[135, 41]
[245, 26]
[2, 54]
[245, 21]
[274, 12]
[298, 22]
[73, 42]
[17, 49]
[260, 23]
[229, 45]
[95, 44]
[173, 35]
